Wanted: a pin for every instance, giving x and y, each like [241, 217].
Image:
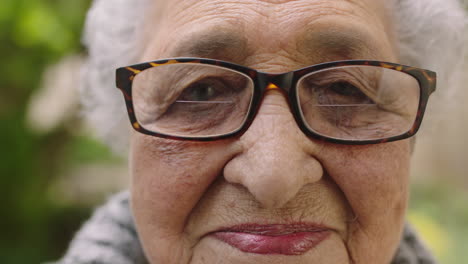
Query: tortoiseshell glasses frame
[287, 83]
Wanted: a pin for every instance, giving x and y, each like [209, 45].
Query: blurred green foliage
[36, 227]
[33, 35]
[439, 211]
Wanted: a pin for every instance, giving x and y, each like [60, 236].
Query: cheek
[168, 180]
[374, 180]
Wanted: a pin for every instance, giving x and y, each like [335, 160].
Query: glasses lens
[358, 102]
[191, 100]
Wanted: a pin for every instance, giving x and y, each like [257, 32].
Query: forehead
[302, 30]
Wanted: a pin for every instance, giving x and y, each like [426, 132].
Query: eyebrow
[212, 43]
[337, 44]
[313, 46]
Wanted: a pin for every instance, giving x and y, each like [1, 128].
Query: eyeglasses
[347, 102]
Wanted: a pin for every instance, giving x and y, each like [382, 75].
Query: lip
[275, 239]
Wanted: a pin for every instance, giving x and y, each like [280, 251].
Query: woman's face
[272, 195]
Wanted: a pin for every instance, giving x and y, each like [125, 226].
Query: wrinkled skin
[182, 191]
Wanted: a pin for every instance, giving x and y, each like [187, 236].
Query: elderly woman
[264, 131]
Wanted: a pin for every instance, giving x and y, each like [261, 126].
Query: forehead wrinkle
[234, 40]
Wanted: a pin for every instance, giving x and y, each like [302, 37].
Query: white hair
[431, 34]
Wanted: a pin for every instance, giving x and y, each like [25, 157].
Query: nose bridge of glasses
[269, 81]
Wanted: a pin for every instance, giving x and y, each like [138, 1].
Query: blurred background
[53, 171]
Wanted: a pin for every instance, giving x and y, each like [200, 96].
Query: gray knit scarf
[96, 242]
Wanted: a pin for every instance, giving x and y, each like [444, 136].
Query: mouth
[275, 239]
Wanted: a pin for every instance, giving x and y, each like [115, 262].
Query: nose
[276, 159]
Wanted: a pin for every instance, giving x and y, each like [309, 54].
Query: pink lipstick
[294, 239]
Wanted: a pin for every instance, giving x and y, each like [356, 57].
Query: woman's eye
[206, 90]
[347, 91]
